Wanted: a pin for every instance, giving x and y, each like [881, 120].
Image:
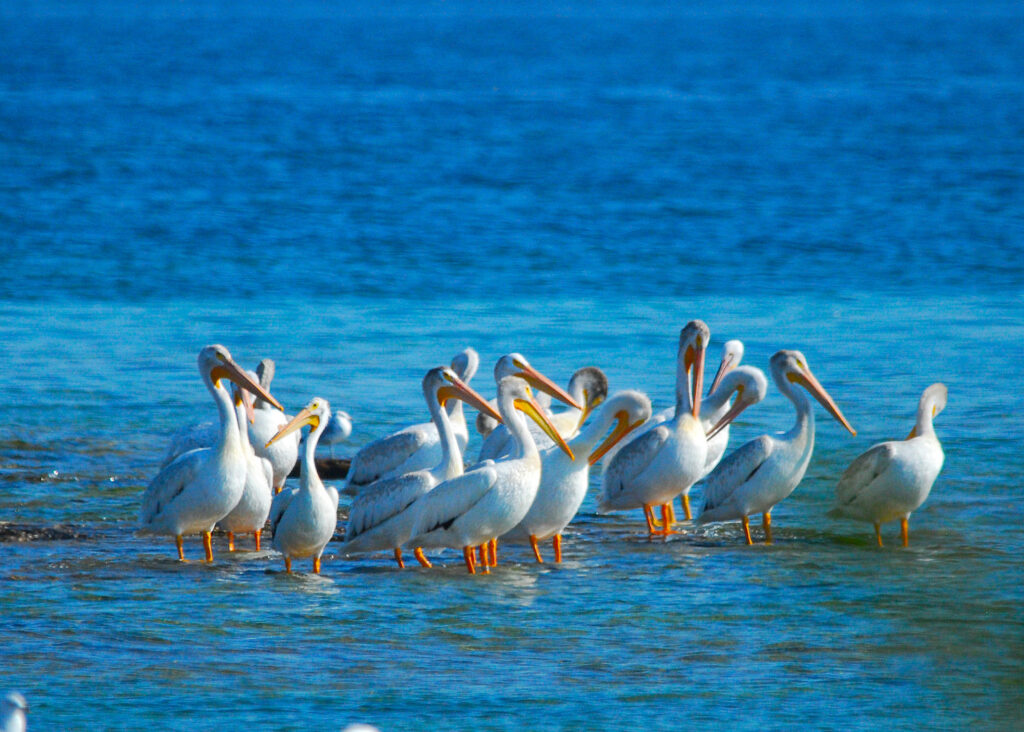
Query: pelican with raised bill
[564, 481]
[268, 419]
[473, 510]
[200, 487]
[416, 447]
[381, 517]
[892, 479]
[303, 518]
[764, 471]
[665, 461]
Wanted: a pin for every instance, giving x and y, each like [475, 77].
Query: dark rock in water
[28, 532]
[326, 468]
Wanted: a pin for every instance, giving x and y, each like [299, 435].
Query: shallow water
[362, 194]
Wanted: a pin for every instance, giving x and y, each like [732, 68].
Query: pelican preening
[891, 479]
[250, 513]
[477, 507]
[766, 470]
[303, 518]
[200, 487]
[381, 517]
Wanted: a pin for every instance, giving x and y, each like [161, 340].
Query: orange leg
[904, 531]
[231, 541]
[557, 544]
[422, 559]
[181, 549]
[649, 515]
[666, 520]
[208, 545]
[492, 550]
[686, 507]
[256, 535]
[878, 534]
[481, 555]
[484, 562]
[398, 557]
[467, 554]
[316, 565]
[766, 521]
[288, 565]
[746, 531]
[536, 549]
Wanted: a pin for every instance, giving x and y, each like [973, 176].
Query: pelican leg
[467, 554]
[536, 549]
[208, 545]
[746, 531]
[316, 565]
[557, 544]
[256, 535]
[878, 534]
[649, 515]
[179, 540]
[766, 521]
[484, 563]
[231, 541]
[481, 555]
[686, 507]
[492, 550]
[904, 531]
[398, 557]
[288, 565]
[666, 521]
[422, 559]
[671, 512]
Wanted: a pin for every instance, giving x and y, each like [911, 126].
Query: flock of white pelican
[412, 489]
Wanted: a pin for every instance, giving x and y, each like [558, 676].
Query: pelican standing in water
[766, 470]
[588, 387]
[892, 479]
[474, 509]
[665, 461]
[303, 518]
[564, 481]
[380, 517]
[416, 447]
[250, 513]
[200, 487]
[267, 421]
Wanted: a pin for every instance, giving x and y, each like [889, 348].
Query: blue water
[361, 191]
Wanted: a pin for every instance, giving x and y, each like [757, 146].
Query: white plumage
[13, 713]
[268, 420]
[250, 513]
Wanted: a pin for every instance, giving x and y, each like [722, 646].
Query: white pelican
[13, 713]
[303, 518]
[338, 430]
[668, 459]
[250, 513]
[588, 386]
[490, 498]
[732, 354]
[201, 487]
[765, 470]
[267, 422]
[892, 479]
[750, 386]
[380, 517]
[416, 447]
[564, 482]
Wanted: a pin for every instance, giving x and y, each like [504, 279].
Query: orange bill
[299, 421]
[725, 366]
[807, 380]
[694, 359]
[539, 381]
[228, 369]
[533, 410]
[622, 428]
[458, 389]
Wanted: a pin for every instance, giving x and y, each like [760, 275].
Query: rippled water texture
[359, 193]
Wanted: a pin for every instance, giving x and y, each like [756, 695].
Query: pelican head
[515, 364]
[215, 363]
[630, 409]
[265, 372]
[933, 401]
[750, 386]
[485, 424]
[791, 367]
[588, 385]
[515, 390]
[693, 344]
[732, 354]
[243, 399]
[445, 384]
[315, 414]
[466, 363]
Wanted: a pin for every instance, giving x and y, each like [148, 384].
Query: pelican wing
[170, 483]
[863, 471]
[385, 499]
[442, 506]
[735, 470]
[632, 460]
[279, 505]
[190, 437]
[384, 455]
[496, 444]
